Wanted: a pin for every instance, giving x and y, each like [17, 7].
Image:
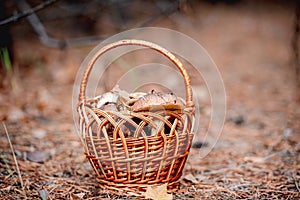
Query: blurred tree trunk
[5, 44]
[295, 44]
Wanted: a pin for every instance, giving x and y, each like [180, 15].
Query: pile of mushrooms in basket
[122, 101]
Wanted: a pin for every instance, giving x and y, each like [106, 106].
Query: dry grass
[255, 158]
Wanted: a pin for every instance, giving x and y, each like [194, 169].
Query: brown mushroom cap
[158, 101]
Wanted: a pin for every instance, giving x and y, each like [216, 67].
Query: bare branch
[26, 13]
[29, 13]
[39, 28]
[166, 10]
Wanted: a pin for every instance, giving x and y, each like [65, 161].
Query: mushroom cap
[158, 101]
[106, 98]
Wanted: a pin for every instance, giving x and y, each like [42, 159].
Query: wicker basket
[129, 164]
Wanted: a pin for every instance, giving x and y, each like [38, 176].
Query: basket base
[134, 189]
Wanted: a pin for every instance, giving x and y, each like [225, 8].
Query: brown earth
[257, 155]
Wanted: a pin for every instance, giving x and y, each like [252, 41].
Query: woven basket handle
[166, 53]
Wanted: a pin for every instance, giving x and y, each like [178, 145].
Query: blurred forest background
[255, 45]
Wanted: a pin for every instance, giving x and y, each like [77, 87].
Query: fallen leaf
[16, 114]
[6, 189]
[199, 144]
[254, 159]
[43, 194]
[38, 156]
[237, 119]
[157, 193]
[191, 178]
[78, 196]
[200, 177]
[39, 133]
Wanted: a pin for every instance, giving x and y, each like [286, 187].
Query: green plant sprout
[5, 59]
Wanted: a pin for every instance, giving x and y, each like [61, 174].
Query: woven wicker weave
[128, 164]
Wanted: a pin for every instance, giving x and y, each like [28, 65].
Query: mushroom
[154, 101]
[106, 98]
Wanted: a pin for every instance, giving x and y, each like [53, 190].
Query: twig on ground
[228, 191]
[15, 159]
[296, 183]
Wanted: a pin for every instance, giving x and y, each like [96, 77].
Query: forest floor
[257, 155]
